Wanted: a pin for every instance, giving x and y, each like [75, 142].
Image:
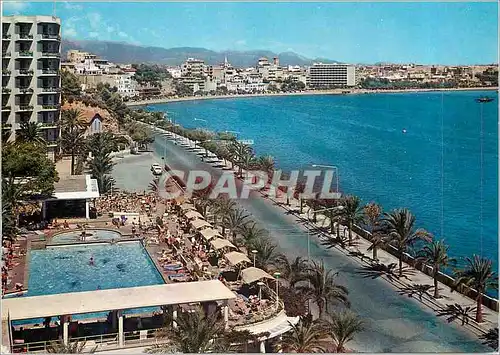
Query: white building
[193, 67]
[31, 82]
[127, 87]
[331, 75]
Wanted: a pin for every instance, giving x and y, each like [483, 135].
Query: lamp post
[277, 276]
[335, 168]
[254, 252]
[339, 208]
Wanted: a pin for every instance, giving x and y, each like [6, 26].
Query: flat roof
[75, 187]
[115, 299]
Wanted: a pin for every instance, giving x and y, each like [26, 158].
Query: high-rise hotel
[331, 75]
[31, 82]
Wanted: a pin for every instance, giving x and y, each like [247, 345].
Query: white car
[156, 169]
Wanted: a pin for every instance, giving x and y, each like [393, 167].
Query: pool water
[65, 269]
[93, 235]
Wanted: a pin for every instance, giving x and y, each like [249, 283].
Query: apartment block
[31, 82]
[331, 75]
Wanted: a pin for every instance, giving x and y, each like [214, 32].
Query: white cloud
[69, 32]
[241, 42]
[95, 20]
[72, 6]
[123, 34]
[110, 29]
[93, 34]
[15, 6]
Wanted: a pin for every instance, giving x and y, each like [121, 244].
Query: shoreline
[304, 93]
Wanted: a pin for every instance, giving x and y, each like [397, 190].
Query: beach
[394, 323]
[309, 92]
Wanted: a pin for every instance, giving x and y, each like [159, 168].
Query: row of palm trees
[395, 229]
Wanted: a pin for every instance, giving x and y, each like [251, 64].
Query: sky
[363, 32]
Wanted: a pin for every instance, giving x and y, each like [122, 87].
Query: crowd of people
[130, 202]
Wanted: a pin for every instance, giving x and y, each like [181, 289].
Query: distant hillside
[128, 53]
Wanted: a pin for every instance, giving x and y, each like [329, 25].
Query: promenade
[393, 322]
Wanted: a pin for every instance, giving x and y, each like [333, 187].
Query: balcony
[25, 37]
[6, 126]
[25, 108]
[51, 144]
[5, 54]
[6, 72]
[6, 36]
[52, 90]
[25, 54]
[6, 108]
[49, 71]
[25, 90]
[48, 125]
[50, 37]
[50, 107]
[5, 91]
[26, 72]
[51, 54]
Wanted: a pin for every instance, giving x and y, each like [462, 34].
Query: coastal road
[393, 323]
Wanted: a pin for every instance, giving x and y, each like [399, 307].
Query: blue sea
[421, 151]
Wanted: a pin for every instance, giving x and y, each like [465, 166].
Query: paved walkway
[362, 245]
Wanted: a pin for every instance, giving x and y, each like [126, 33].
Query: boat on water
[484, 99]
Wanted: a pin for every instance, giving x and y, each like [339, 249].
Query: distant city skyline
[424, 33]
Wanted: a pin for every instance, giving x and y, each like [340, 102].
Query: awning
[209, 233]
[219, 243]
[235, 257]
[193, 215]
[253, 274]
[187, 207]
[200, 223]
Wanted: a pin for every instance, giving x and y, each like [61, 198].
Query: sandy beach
[310, 92]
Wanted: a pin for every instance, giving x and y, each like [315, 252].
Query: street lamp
[277, 276]
[254, 252]
[335, 168]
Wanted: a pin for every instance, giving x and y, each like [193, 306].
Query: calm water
[66, 269]
[363, 136]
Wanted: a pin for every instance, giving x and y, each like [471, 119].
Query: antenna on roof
[54, 9]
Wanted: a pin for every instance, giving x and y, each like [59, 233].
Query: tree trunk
[287, 200]
[301, 205]
[320, 308]
[332, 227]
[436, 289]
[479, 307]
[375, 253]
[72, 163]
[350, 233]
[400, 264]
[338, 230]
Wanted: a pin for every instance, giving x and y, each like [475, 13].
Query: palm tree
[322, 288]
[194, 333]
[73, 142]
[304, 336]
[351, 213]
[266, 253]
[154, 186]
[72, 119]
[103, 143]
[240, 152]
[398, 226]
[221, 208]
[294, 271]
[478, 274]
[30, 132]
[251, 232]
[235, 220]
[72, 348]
[9, 229]
[342, 327]
[435, 254]
[266, 163]
[373, 212]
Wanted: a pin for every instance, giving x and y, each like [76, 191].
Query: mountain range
[119, 52]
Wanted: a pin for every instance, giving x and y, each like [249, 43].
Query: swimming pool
[65, 269]
[92, 235]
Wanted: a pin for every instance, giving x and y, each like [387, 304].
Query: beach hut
[234, 258]
[209, 233]
[219, 243]
[253, 274]
[193, 215]
[200, 224]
